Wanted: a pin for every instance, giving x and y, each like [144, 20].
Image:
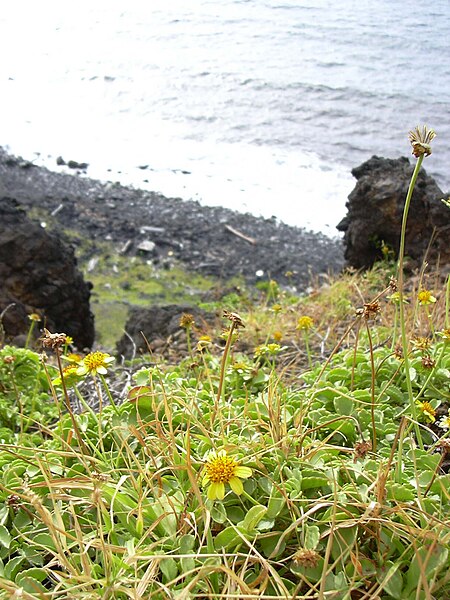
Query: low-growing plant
[235, 473]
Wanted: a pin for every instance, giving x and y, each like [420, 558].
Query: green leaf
[218, 513]
[253, 517]
[235, 513]
[343, 405]
[426, 562]
[12, 567]
[392, 580]
[228, 539]
[5, 537]
[168, 568]
[312, 537]
[187, 543]
[400, 492]
[276, 503]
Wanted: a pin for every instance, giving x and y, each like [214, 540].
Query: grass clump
[288, 456]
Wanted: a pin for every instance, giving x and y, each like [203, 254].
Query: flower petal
[216, 490]
[236, 485]
[243, 472]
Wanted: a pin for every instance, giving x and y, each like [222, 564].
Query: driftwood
[240, 235]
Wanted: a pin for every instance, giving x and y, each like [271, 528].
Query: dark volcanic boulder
[158, 323]
[39, 274]
[375, 210]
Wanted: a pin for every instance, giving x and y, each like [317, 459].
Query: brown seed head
[428, 362]
[306, 558]
[421, 141]
[393, 284]
[362, 448]
[371, 310]
[53, 340]
[234, 318]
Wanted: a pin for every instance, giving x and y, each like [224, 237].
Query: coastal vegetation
[302, 451]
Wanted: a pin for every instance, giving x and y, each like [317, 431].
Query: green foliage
[25, 402]
[343, 500]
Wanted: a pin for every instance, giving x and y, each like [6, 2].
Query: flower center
[221, 469]
[94, 360]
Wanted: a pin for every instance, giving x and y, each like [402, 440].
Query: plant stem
[401, 257]
[224, 363]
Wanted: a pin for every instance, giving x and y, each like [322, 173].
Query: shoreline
[211, 240]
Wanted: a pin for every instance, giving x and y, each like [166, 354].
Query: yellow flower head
[278, 336]
[305, 323]
[421, 343]
[395, 298]
[421, 141]
[444, 334]
[220, 469]
[70, 375]
[428, 412]
[95, 362]
[425, 297]
[203, 342]
[73, 357]
[187, 320]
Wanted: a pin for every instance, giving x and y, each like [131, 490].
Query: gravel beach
[211, 240]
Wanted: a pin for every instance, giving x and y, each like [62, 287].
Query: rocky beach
[211, 240]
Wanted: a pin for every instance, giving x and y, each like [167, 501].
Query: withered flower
[234, 318]
[306, 558]
[370, 310]
[53, 340]
[361, 449]
[421, 141]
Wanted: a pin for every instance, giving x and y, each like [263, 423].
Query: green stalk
[401, 257]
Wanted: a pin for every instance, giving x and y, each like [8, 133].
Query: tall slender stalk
[401, 258]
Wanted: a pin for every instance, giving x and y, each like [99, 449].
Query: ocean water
[258, 105]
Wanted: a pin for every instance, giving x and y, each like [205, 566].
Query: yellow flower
[187, 320]
[73, 357]
[395, 298]
[95, 362]
[425, 297]
[421, 343]
[203, 342]
[220, 469]
[428, 411]
[70, 375]
[305, 323]
[277, 336]
[445, 334]
[421, 141]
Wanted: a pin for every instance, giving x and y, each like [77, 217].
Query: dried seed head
[362, 448]
[393, 284]
[306, 558]
[53, 340]
[421, 141]
[234, 318]
[371, 310]
[428, 362]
